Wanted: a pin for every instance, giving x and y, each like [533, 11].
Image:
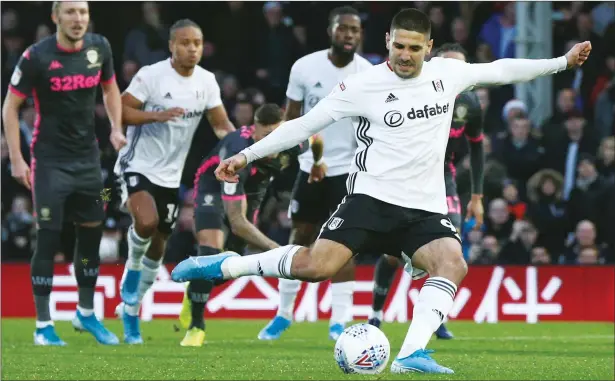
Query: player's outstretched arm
[10, 119]
[474, 134]
[133, 115]
[219, 121]
[236, 210]
[514, 70]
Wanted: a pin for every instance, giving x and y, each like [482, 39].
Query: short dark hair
[450, 47]
[183, 23]
[413, 20]
[268, 114]
[345, 10]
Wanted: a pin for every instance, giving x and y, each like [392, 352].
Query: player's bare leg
[443, 260]
[87, 263]
[197, 293]
[142, 207]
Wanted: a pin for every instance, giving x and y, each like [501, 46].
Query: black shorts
[313, 203]
[166, 199]
[367, 225]
[452, 200]
[209, 214]
[70, 191]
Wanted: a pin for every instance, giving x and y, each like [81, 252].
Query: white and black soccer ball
[362, 349]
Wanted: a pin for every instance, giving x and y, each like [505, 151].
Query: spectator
[487, 253]
[520, 152]
[547, 210]
[553, 128]
[584, 238]
[588, 256]
[499, 32]
[243, 113]
[491, 116]
[561, 154]
[42, 31]
[148, 43]
[602, 15]
[518, 248]
[603, 80]
[605, 111]
[540, 256]
[499, 221]
[229, 88]
[439, 29]
[461, 35]
[279, 51]
[17, 231]
[590, 194]
[515, 206]
[606, 159]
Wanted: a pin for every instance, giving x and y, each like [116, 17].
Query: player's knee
[146, 224]
[452, 262]
[48, 243]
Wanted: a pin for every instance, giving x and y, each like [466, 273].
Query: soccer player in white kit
[321, 181]
[396, 199]
[173, 94]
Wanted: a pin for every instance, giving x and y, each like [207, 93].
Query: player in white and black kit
[397, 199]
[321, 181]
[162, 107]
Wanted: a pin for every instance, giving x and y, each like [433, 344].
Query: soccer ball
[363, 349]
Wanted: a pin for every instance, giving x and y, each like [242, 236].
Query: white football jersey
[158, 150]
[311, 79]
[402, 125]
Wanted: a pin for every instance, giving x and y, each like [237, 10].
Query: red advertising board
[488, 294]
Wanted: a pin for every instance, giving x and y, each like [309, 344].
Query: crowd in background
[549, 188]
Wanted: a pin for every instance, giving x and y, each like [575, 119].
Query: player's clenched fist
[227, 169]
[578, 54]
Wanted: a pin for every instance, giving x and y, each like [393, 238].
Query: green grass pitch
[505, 351]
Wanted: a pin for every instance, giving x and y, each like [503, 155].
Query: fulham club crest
[438, 86]
[335, 223]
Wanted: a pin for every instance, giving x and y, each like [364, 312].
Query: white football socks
[288, 293]
[148, 276]
[137, 247]
[341, 305]
[274, 263]
[434, 303]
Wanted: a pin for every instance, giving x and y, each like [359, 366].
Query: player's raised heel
[132, 331]
[195, 337]
[205, 267]
[274, 329]
[443, 333]
[92, 325]
[130, 287]
[47, 336]
[335, 331]
[420, 362]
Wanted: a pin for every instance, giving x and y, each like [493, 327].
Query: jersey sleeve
[295, 90]
[108, 73]
[502, 72]
[342, 102]
[215, 98]
[139, 86]
[25, 75]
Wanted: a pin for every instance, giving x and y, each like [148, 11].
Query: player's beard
[338, 50]
[71, 38]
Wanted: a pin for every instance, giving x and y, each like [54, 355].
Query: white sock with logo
[434, 303]
[274, 263]
[137, 247]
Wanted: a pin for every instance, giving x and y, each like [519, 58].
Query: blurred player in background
[162, 107]
[232, 206]
[62, 73]
[321, 181]
[468, 121]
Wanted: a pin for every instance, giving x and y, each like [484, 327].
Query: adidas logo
[318, 85]
[168, 96]
[391, 98]
[55, 65]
